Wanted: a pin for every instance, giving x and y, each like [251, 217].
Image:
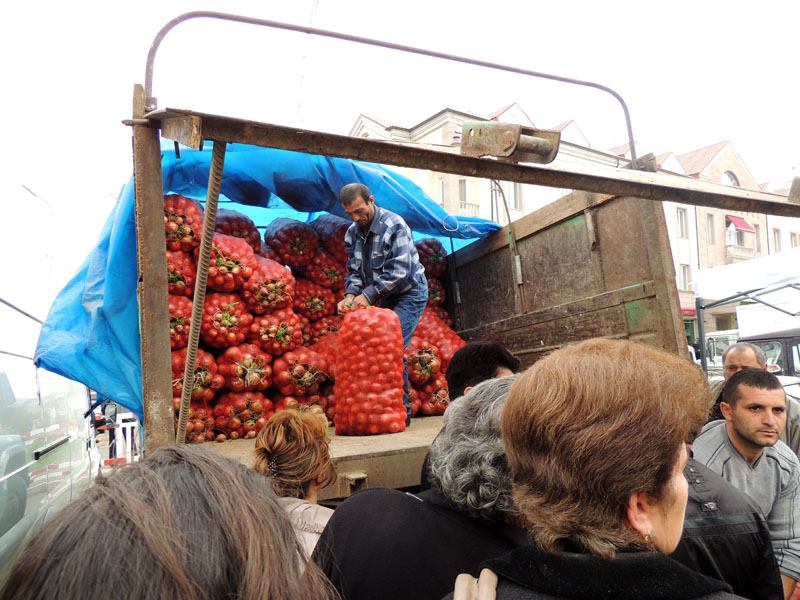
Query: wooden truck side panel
[591, 266]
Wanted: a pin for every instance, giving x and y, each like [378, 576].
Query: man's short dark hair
[476, 362]
[755, 378]
[351, 191]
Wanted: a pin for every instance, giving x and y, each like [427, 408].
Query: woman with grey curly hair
[390, 545]
[468, 459]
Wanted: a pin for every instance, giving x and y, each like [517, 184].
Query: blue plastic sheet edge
[91, 334]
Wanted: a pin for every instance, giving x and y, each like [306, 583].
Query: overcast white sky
[693, 74]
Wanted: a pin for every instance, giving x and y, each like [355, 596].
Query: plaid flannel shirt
[384, 262]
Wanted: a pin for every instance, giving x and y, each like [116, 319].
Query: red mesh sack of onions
[180, 319]
[432, 329]
[331, 230]
[232, 263]
[181, 273]
[433, 256]
[294, 241]
[277, 332]
[312, 300]
[246, 368]
[270, 287]
[327, 346]
[305, 327]
[200, 422]
[369, 374]
[299, 372]
[434, 396]
[183, 222]
[326, 270]
[233, 223]
[442, 314]
[226, 320]
[267, 251]
[423, 360]
[322, 327]
[207, 381]
[436, 293]
[241, 415]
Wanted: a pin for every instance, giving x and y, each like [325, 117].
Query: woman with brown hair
[292, 451]
[186, 524]
[596, 435]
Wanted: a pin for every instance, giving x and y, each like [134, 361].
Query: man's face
[361, 211]
[758, 418]
[738, 360]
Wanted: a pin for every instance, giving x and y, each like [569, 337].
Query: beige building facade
[700, 237]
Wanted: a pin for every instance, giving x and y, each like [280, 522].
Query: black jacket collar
[630, 575]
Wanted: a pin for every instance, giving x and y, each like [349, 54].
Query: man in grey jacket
[744, 355]
[745, 450]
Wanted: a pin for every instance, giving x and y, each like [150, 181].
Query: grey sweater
[773, 482]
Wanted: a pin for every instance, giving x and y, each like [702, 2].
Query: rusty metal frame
[152, 282]
[151, 103]
[191, 128]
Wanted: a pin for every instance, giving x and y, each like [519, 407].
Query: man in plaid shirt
[383, 265]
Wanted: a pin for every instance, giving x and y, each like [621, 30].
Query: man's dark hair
[476, 362]
[351, 191]
[755, 378]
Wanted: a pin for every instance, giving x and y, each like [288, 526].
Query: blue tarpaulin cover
[91, 334]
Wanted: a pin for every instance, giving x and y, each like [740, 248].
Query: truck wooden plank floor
[389, 460]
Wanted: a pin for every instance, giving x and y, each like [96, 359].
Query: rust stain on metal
[652, 186]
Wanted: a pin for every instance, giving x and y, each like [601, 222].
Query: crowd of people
[607, 470]
[595, 473]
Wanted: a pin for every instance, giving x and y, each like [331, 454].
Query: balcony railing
[468, 209]
[732, 251]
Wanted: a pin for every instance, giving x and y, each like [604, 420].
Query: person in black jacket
[389, 545]
[725, 536]
[596, 437]
[471, 364]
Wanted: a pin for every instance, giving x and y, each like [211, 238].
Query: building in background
[700, 237]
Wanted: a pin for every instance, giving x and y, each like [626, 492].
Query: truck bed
[388, 460]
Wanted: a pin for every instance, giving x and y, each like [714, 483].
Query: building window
[441, 191]
[730, 179]
[685, 277]
[710, 229]
[794, 239]
[691, 332]
[725, 322]
[683, 227]
[733, 237]
[513, 195]
[757, 233]
[462, 191]
[776, 240]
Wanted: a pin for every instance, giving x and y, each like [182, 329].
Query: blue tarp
[92, 332]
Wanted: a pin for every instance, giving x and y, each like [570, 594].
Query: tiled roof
[661, 158]
[497, 113]
[694, 162]
[763, 186]
[383, 123]
[562, 126]
[621, 151]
